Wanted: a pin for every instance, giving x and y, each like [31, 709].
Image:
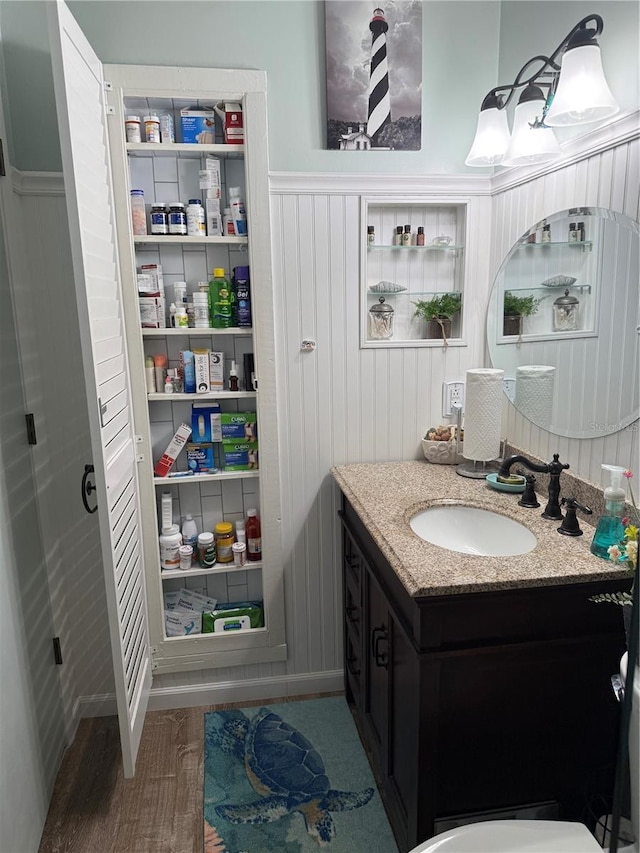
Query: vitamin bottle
[224, 541]
[138, 213]
[206, 550]
[159, 219]
[254, 537]
[177, 218]
[170, 542]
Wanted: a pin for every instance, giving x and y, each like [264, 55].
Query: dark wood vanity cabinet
[477, 702]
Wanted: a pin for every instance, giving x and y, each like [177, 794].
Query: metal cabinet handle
[87, 488]
[381, 658]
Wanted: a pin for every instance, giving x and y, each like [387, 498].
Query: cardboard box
[165, 463]
[238, 426]
[239, 455]
[205, 423]
[216, 371]
[201, 364]
[233, 125]
[152, 314]
[155, 271]
[213, 217]
[198, 126]
[200, 458]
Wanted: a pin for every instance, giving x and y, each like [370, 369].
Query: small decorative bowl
[441, 452]
[441, 240]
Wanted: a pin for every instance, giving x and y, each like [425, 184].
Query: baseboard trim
[216, 693]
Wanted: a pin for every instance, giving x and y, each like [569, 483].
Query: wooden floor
[94, 809]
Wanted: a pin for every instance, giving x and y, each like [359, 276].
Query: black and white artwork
[374, 75]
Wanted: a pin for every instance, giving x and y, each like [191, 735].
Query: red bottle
[254, 539]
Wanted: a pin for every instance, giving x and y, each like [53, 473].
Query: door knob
[87, 488]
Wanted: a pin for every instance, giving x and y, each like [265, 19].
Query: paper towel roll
[534, 392]
[482, 414]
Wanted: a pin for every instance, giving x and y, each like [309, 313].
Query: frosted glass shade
[491, 139]
[530, 145]
[582, 95]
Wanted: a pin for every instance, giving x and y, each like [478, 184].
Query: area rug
[290, 778]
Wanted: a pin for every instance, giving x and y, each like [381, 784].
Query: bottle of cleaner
[610, 529]
[220, 300]
[238, 213]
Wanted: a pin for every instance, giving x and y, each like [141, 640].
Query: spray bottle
[610, 529]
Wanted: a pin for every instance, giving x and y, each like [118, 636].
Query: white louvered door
[80, 99]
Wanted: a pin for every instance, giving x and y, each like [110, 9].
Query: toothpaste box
[216, 371]
[165, 463]
[205, 423]
[152, 312]
[238, 426]
[200, 458]
[198, 126]
[239, 455]
[201, 365]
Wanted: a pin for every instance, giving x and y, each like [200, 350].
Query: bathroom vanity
[478, 683]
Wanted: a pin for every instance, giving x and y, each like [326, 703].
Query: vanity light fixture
[576, 93]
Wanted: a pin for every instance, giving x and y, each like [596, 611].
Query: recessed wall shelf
[182, 149]
[205, 478]
[205, 333]
[198, 571]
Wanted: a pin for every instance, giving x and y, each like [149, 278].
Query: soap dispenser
[610, 529]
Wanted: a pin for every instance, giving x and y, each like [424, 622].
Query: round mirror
[563, 323]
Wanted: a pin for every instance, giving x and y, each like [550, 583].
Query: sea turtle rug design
[286, 772]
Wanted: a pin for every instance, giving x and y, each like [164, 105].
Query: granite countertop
[386, 495]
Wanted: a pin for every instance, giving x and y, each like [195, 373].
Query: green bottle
[220, 300]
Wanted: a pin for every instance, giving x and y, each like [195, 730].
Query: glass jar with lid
[565, 313]
[381, 321]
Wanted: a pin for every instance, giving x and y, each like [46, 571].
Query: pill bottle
[186, 553]
[239, 553]
[200, 310]
[177, 218]
[170, 542]
[206, 550]
[228, 228]
[132, 128]
[152, 128]
[195, 218]
[224, 541]
[138, 213]
[159, 218]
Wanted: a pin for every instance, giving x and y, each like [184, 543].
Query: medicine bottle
[177, 218]
[152, 128]
[159, 219]
[170, 542]
[138, 213]
[206, 550]
[224, 541]
[132, 128]
[254, 538]
[195, 218]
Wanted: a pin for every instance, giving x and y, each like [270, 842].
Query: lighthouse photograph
[374, 75]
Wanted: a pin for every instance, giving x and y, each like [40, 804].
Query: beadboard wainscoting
[609, 179]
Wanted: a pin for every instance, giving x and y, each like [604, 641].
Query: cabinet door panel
[376, 644]
[79, 89]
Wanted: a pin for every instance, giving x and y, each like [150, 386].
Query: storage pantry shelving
[129, 430]
[170, 172]
[403, 274]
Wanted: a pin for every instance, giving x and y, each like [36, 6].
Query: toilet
[545, 836]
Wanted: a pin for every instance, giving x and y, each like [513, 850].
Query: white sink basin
[470, 530]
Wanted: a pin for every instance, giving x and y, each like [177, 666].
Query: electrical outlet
[452, 392]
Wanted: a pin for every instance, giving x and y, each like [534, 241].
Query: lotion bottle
[610, 529]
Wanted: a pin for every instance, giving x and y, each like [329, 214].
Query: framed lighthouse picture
[374, 75]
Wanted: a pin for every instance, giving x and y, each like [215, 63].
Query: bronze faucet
[553, 469]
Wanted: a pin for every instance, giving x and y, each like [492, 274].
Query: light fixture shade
[491, 139]
[530, 145]
[582, 95]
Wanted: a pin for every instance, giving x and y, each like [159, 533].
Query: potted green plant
[439, 312]
[515, 308]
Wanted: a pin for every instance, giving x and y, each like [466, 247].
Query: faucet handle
[555, 466]
[570, 526]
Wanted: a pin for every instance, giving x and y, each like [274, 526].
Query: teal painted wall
[468, 46]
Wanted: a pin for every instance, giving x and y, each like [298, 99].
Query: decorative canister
[381, 321]
[565, 313]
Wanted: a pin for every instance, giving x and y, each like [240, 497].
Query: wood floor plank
[94, 809]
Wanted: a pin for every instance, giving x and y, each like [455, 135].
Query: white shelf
[158, 239]
[205, 478]
[211, 395]
[182, 149]
[205, 333]
[197, 571]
